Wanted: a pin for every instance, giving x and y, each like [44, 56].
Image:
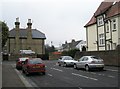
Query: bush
[70, 52]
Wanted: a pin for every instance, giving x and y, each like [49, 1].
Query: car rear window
[35, 61]
[95, 57]
[23, 59]
[68, 58]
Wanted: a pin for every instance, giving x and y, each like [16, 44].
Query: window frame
[100, 21]
[101, 39]
[114, 25]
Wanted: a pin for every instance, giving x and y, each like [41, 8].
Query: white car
[89, 62]
[66, 61]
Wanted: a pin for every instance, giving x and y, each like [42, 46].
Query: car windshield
[68, 58]
[95, 57]
[35, 61]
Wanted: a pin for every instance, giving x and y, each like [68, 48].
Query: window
[114, 24]
[101, 40]
[107, 28]
[100, 21]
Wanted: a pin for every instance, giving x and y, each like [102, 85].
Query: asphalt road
[57, 76]
[69, 78]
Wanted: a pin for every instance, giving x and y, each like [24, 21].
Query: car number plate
[36, 67]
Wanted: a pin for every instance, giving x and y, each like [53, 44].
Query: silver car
[66, 61]
[89, 62]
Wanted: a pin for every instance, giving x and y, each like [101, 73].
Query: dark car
[20, 61]
[34, 65]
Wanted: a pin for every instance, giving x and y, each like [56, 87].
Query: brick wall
[111, 57]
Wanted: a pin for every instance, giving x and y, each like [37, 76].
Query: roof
[114, 10]
[23, 33]
[108, 8]
[71, 45]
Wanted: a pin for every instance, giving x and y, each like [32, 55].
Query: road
[58, 76]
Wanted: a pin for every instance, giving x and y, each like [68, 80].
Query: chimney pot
[17, 19]
[29, 20]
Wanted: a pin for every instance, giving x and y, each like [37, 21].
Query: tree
[4, 33]
[49, 49]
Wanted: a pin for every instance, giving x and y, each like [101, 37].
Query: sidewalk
[10, 79]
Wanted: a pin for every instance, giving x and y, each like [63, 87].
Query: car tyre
[23, 71]
[87, 68]
[65, 65]
[75, 66]
[43, 73]
[59, 64]
[26, 73]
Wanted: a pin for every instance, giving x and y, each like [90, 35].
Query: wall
[111, 57]
[91, 37]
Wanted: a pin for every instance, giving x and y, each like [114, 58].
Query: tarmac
[10, 78]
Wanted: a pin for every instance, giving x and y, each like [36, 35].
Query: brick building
[22, 39]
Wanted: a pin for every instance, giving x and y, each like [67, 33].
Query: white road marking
[57, 69]
[50, 75]
[112, 70]
[111, 76]
[85, 76]
[92, 73]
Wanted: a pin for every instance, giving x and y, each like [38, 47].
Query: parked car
[66, 61]
[33, 65]
[20, 61]
[89, 62]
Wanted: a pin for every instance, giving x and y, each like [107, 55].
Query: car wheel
[26, 73]
[65, 64]
[23, 71]
[59, 64]
[101, 69]
[43, 73]
[87, 68]
[75, 66]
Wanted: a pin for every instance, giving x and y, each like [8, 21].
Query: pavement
[10, 78]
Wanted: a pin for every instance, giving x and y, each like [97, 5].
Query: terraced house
[25, 38]
[103, 29]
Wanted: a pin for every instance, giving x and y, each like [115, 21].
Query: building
[73, 45]
[103, 29]
[25, 39]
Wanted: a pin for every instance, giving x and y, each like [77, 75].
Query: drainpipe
[104, 31]
[111, 33]
[97, 38]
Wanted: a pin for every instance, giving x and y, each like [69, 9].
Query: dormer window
[100, 21]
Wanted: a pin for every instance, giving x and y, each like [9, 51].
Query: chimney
[29, 24]
[17, 23]
[29, 34]
[17, 48]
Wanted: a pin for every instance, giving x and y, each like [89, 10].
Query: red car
[20, 61]
[33, 65]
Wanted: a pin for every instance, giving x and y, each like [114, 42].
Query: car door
[79, 63]
[84, 62]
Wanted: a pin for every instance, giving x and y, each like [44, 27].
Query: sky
[59, 20]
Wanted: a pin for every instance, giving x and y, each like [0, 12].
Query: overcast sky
[60, 20]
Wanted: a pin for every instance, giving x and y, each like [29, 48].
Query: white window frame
[101, 39]
[100, 21]
[114, 25]
[107, 28]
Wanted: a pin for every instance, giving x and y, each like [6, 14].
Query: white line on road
[112, 70]
[85, 76]
[111, 76]
[50, 75]
[57, 69]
